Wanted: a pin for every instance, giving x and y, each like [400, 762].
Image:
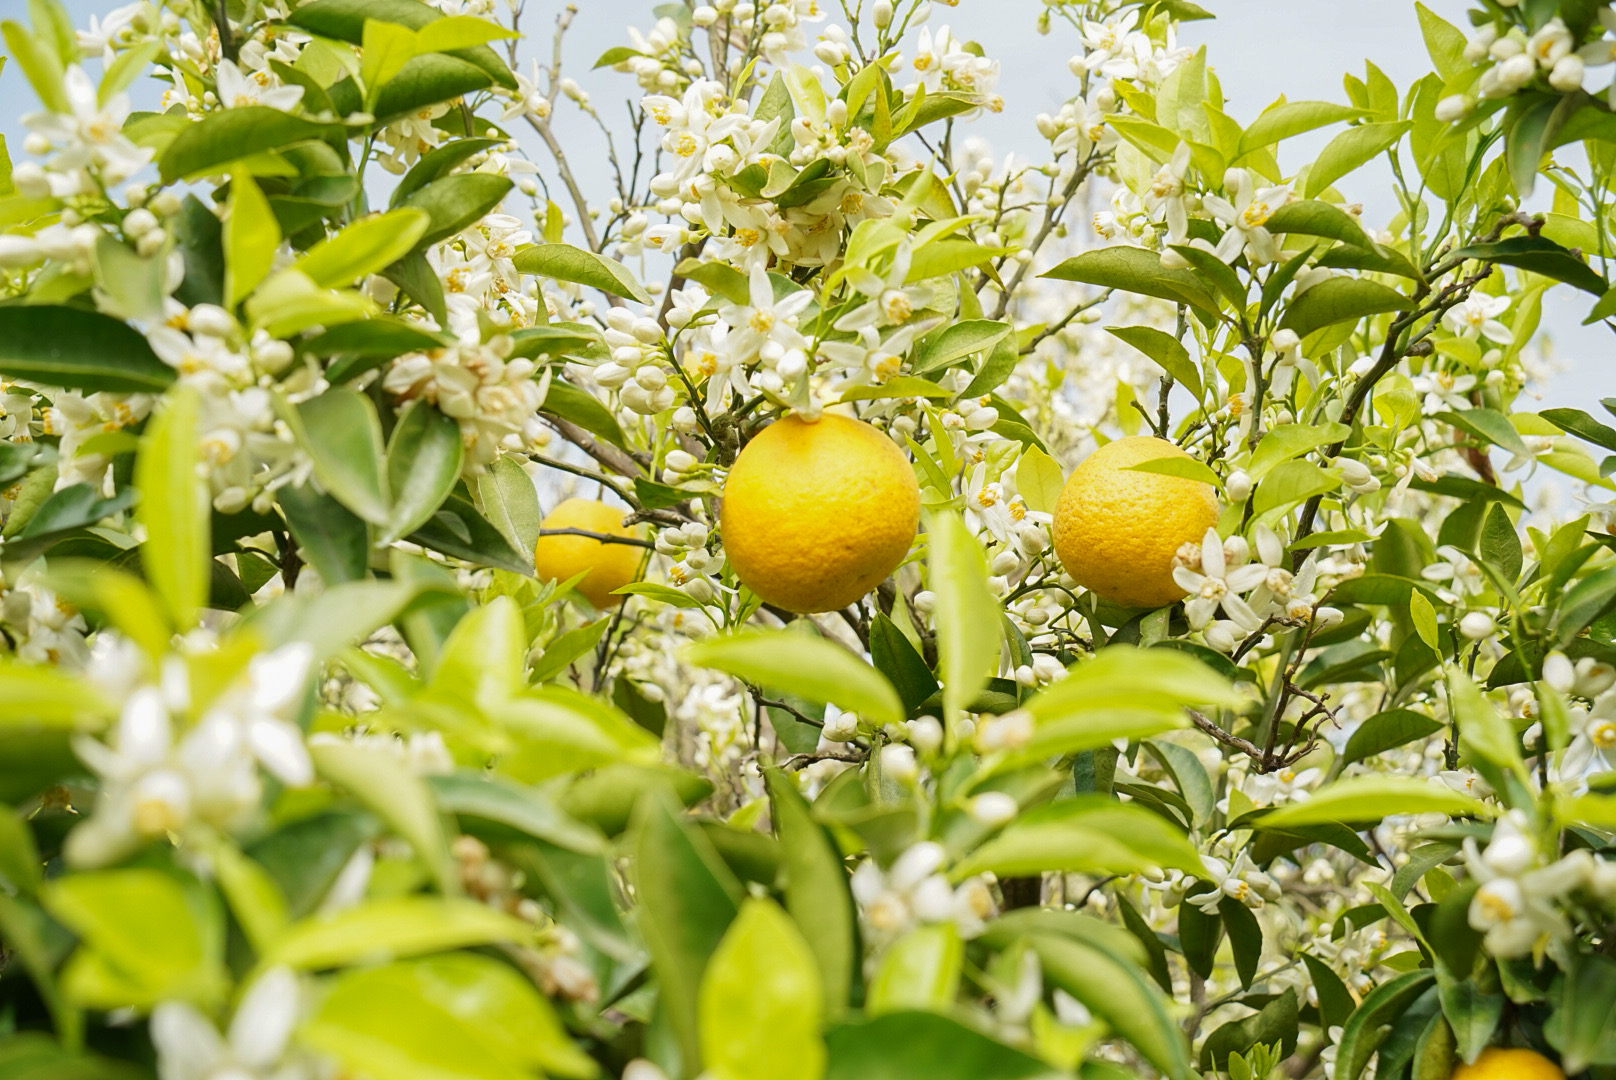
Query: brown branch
[605, 538]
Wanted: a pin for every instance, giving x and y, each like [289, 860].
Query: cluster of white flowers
[160, 774]
[494, 398]
[914, 891]
[1223, 576]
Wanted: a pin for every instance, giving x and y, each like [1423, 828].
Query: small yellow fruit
[816, 514]
[609, 566]
[1116, 531]
[1496, 1063]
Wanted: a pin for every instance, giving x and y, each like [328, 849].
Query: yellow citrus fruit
[818, 513]
[1496, 1063]
[1116, 531]
[606, 567]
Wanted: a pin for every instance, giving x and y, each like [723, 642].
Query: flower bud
[1477, 625]
[993, 808]
[1239, 485]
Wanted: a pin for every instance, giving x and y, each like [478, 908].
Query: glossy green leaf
[1291, 118]
[343, 436]
[146, 936]
[402, 799]
[1087, 835]
[364, 247]
[1166, 350]
[969, 630]
[1117, 991]
[1341, 299]
[688, 899]
[906, 1045]
[210, 146]
[251, 235]
[816, 892]
[457, 202]
[810, 667]
[424, 458]
[1350, 150]
[78, 349]
[394, 927]
[1135, 270]
[567, 263]
[1580, 1027]
[1366, 1029]
[761, 1001]
[1387, 731]
[1371, 798]
[175, 508]
[921, 970]
[956, 342]
[1540, 255]
[453, 1017]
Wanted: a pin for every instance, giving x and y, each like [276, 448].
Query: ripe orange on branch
[606, 567]
[1116, 530]
[818, 512]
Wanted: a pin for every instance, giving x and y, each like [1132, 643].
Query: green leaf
[1584, 602]
[718, 278]
[79, 350]
[38, 696]
[1366, 1029]
[906, 1045]
[1086, 834]
[343, 436]
[1540, 255]
[1580, 1026]
[1286, 441]
[460, 32]
[1527, 136]
[1335, 1000]
[1500, 545]
[1489, 426]
[251, 235]
[387, 47]
[688, 898]
[364, 247]
[133, 285]
[761, 1001]
[1166, 350]
[457, 202]
[921, 970]
[333, 539]
[1483, 730]
[1290, 118]
[40, 65]
[1582, 425]
[1135, 270]
[1276, 1023]
[130, 65]
[960, 340]
[567, 263]
[1039, 480]
[511, 502]
[440, 162]
[1349, 150]
[1341, 299]
[397, 795]
[816, 891]
[174, 508]
[969, 630]
[21, 869]
[1472, 1014]
[1423, 616]
[146, 936]
[1118, 992]
[1446, 44]
[454, 1017]
[1186, 468]
[584, 409]
[1371, 798]
[210, 146]
[395, 926]
[345, 21]
[424, 457]
[809, 667]
[1387, 731]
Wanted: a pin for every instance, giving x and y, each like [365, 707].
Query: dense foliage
[309, 773]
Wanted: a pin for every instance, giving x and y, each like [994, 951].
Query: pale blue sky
[1260, 49]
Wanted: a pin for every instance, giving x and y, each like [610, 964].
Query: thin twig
[605, 538]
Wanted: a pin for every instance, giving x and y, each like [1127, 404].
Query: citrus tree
[818, 608]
